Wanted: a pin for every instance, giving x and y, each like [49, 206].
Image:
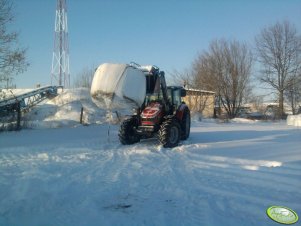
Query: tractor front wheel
[170, 133]
[127, 134]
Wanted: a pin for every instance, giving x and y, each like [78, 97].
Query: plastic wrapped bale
[118, 84]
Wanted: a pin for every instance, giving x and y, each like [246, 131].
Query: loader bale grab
[118, 81]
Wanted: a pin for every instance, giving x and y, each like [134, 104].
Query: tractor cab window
[177, 97]
[169, 95]
[174, 96]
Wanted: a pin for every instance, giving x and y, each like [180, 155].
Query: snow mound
[64, 110]
[196, 116]
[243, 120]
[294, 120]
[8, 93]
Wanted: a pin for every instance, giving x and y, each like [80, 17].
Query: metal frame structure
[27, 100]
[60, 72]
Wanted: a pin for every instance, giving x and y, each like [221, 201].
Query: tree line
[227, 68]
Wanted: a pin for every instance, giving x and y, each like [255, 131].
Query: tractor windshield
[158, 97]
[155, 94]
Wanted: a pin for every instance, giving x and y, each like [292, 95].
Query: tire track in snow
[235, 170]
[226, 180]
[197, 209]
[180, 186]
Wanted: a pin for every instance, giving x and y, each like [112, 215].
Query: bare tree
[279, 52]
[293, 94]
[225, 69]
[12, 58]
[84, 78]
[183, 78]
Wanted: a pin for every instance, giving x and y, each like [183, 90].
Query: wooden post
[81, 115]
[18, 116]
[118, 117]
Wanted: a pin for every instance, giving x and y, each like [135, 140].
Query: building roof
[199, 91]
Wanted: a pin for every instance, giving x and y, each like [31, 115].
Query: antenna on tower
[60, 73]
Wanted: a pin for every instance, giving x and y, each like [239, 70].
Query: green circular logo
[282, 214]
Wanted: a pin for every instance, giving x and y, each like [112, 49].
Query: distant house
[200, 101]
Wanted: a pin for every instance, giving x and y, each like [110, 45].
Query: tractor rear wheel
[170, 133]
[127, 134]
[185, 125]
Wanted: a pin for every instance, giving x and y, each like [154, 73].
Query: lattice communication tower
[60, 73]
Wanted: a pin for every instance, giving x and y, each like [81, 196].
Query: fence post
[81, 115]
[18, 116]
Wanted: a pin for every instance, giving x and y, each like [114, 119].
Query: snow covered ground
[224, 174]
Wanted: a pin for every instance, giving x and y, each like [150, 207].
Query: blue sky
[167, 33]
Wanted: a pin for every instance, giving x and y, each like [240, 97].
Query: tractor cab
[174, 95]
[163, 107]
[163, 113]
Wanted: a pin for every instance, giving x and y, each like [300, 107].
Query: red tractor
[162, 114]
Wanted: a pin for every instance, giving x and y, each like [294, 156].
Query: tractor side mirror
[183, 92]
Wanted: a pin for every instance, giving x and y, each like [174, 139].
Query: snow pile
[65, 110]
[243, 120]
[196, 116]
[8, 93]
[118, 81]
[294, 120]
